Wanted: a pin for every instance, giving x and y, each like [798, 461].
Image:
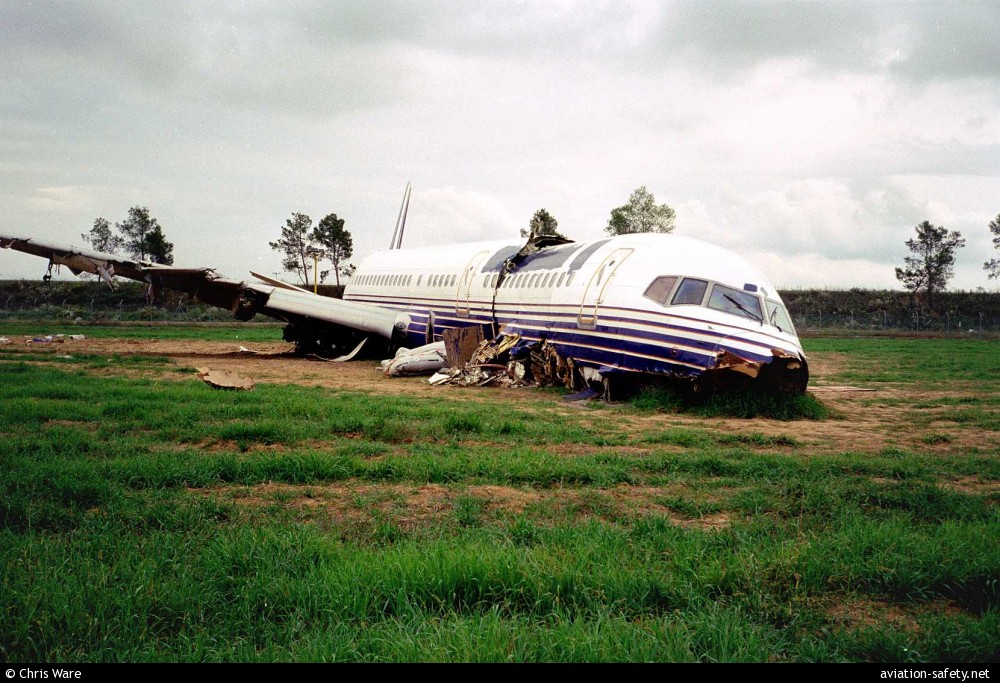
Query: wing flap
[353, 314]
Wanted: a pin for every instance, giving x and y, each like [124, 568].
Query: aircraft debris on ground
[223, 379]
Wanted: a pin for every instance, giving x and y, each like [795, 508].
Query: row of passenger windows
[739, 302]
[540, 280]
[530, 280]
[405, 280]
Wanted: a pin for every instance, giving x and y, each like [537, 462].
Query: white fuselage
[596, 301]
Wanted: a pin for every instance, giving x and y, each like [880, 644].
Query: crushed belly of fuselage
[510, 360]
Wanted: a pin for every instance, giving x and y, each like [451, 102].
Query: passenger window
[660, 288]
[569, 280]
[562, 276]
[691, 291]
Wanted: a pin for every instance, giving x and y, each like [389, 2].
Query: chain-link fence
[977, 322]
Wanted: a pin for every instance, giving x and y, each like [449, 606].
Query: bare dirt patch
[859, 614]
[78, 424]
[973, 486]
[864, 613]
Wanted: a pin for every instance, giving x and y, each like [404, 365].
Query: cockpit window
[735, 301]
[778, 316]
[691, 291]
[660, 288]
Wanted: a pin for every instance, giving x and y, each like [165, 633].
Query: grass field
[145, 517]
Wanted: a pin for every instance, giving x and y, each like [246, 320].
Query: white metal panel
[353, 314]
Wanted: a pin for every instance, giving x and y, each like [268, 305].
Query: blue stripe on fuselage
[630, 349]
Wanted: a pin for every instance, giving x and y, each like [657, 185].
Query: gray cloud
[919, 41]
[816, 132]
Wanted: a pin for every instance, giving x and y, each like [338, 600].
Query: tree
[542, 223]
[158, 248]
[102, 238]
[296, 246]
[992, 267]
[640, 214]
[143, 237]
[336, 242]
[933, 261]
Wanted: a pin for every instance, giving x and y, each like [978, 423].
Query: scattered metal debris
[223, 379]
[341, 359]
[57, 338]
[508, 361]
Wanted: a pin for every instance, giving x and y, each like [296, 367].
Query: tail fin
[404, 209]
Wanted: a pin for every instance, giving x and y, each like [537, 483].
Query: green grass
[153, 519]
[732, 404]
[941, 361]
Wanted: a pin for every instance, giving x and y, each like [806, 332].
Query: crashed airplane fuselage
[643, 304]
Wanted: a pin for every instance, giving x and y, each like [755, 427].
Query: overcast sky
[810, 136]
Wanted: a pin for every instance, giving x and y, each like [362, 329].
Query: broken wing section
[316, 323]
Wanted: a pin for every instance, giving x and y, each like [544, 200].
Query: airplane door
[593, 296]
[464, 290]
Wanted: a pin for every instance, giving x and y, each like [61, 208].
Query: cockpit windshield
[736, 302]
[778, 316]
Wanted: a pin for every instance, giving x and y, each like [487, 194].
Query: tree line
[926, 270]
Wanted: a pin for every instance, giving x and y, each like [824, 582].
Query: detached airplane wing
[317, 324]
